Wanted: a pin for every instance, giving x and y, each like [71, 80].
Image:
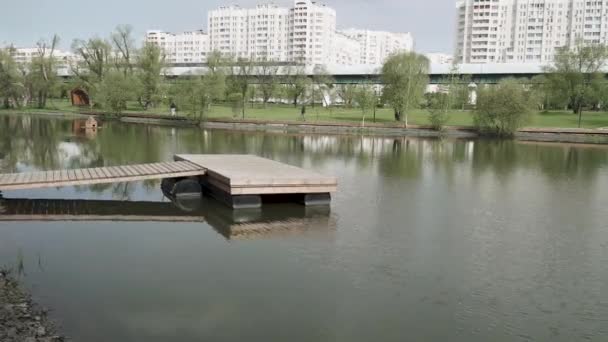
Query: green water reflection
[426, 240]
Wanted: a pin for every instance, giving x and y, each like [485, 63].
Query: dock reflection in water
[273, 220]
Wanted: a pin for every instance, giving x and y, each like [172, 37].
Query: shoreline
[21, 320]
[558, 135]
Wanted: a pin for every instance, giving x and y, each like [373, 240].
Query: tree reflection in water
[36, 142]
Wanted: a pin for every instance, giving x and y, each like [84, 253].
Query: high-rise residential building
[183, 47]
[304, 33]
[376, 46]
[260, 33]
[311, 33]
[526, 31]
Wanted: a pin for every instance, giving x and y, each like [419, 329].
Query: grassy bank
[553, 119]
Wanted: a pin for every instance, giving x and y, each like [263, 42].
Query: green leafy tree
[239, 79]
[322, 85]
[42, 72]
[12, 83]
[124, 48]
[438, 106]
[459, 90]
[115, 90]
[186, 95]
[296, 84]
[267, 80]
[194, 95]
[502, 109]
[440, 103]
[366, 100]
[237, 103]
[214, 84]
[405, 76]
[150, 63]
[216, 76]
[92, 65]
[347, 93]
[576, 73]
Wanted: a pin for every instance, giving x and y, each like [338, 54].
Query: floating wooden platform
[98, 175]
[252, 175]
[240, 181]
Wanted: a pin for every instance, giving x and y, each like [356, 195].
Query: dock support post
[246, 202]
[310, 200]
[232, 201]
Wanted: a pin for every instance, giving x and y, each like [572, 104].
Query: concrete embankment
[20, 319]
[565, 135]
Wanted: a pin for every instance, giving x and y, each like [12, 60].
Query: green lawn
[555, 119]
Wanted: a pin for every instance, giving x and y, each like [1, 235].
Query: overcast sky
[26, 21]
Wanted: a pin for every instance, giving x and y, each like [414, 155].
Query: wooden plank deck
[116, 174]
[252, 175]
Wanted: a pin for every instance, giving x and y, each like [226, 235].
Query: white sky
[26, 21]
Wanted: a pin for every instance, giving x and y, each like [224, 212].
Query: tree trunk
[580, 115]
[397, 115]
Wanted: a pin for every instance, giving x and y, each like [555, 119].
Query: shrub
[502, 109]
[115, 91]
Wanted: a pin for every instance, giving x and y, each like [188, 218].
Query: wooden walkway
[99, 175]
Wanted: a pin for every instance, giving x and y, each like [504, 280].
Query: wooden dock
[240, 181]
[98, 175]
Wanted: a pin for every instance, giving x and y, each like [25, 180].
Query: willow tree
[405, 76]
[576, 73]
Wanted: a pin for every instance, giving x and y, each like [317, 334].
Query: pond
[426, 240]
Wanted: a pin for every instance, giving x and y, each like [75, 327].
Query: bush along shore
[21, 320]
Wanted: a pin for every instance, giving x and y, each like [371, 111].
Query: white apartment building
[346, 51]
[304, 33]
[184, 47]
[526, 31]
[439, 58]
[260, 33]
[25, 56]
[311, 34]
[376, 46]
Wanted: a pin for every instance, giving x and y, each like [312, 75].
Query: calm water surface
[426, 240]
